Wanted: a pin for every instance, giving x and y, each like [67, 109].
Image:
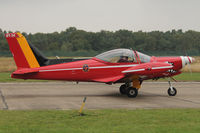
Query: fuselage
[94, 68]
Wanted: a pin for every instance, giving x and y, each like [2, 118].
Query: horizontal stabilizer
[25, 71]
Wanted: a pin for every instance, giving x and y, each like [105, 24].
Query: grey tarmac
[69, 95]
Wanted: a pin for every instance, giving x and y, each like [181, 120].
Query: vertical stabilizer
[21, 51]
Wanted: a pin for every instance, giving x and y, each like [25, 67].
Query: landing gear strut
[172, 90]
[130, 91]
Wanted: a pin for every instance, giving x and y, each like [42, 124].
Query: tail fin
[27, 55]
[22, 52]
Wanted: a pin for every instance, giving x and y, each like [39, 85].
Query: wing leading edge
[144, 69]
[148, 68]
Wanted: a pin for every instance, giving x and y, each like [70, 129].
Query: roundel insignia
[85, 68]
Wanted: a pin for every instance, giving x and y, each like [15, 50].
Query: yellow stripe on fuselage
[28, 53]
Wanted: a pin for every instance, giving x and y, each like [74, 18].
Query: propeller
[190, 70]
[188, 60]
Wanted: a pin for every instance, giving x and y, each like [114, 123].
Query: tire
[122, 89]
[172, 93]
[132, 92]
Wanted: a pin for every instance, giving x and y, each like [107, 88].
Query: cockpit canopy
[123, 55]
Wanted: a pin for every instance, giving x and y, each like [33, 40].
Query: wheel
[122, 89]
[132, 92]
[172, 92]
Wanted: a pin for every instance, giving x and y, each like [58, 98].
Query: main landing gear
[172, 90]
[130, 91]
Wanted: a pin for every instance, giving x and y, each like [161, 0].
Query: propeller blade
[189, 67]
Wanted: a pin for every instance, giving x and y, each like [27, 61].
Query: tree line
[75, 42]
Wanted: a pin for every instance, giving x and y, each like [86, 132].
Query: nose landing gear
[172, 90]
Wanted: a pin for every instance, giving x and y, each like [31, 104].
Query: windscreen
[117, 56]
[143, 57]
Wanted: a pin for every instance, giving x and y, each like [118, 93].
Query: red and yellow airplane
[125, 66]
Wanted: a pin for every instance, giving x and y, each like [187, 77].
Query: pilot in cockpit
[123, 59]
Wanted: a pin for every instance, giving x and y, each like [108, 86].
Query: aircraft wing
[148, 68]
[109, 79]
[144, 69]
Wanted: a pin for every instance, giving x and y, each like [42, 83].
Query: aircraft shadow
[111, 95]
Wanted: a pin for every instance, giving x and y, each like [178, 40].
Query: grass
[7, 64]
[5, 77]
[185, 77]
[101, 121]
[188, 77]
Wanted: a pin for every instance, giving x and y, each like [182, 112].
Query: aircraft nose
[187, 60]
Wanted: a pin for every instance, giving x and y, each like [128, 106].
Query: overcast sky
[95, 15]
